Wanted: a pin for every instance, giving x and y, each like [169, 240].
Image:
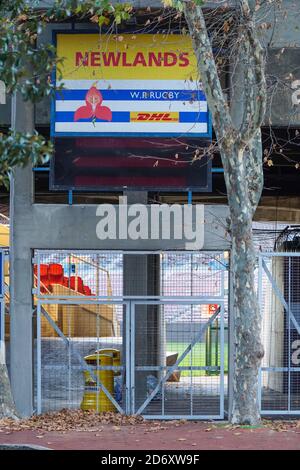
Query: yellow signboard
[127, 57]
[133, 85]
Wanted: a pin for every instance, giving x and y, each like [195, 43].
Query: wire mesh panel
[106, 274]
[178, 360]
[76, 353]
[76, 274]
[104, 301]
[194, 274]
[280, 305]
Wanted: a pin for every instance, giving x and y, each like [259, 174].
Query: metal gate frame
[40, 311]
[130, 303]
[2, 304]
[263, 269]
[130, 368]
[169, 370]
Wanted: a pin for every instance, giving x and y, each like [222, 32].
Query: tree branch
[255, 91]
[209, 76]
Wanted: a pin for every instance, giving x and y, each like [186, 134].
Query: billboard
[128, 85]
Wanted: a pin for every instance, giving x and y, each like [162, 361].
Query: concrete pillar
[21, 197]
[231, 358]
[142, 278]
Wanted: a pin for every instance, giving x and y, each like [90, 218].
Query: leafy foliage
[17, 149]
[20, 51]
[18, 54]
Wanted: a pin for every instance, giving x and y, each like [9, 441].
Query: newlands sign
[128, 85]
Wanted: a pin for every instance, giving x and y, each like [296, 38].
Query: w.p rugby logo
[93, 108]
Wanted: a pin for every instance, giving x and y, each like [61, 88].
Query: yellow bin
[116, 357]
[94, 398]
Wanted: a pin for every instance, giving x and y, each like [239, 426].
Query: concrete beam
[74, 227]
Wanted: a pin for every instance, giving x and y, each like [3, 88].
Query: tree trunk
[241, 153]
[248, 350]
[7, 407]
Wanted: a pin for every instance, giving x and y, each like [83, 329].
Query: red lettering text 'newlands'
[121, 59]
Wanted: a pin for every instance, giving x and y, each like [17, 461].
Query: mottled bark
[254, 170]
[248, 350]
[7, 407]
[241, 155]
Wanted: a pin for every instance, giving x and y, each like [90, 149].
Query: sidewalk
[158, 435]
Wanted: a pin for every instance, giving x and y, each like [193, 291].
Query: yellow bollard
[94, 398]
[116, 357]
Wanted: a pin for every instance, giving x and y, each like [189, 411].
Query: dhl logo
[154, 117]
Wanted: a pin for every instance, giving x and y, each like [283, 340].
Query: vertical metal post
[191, 324]
[69, 270]
[222, 368]
[289, 336]
[208, 349]
[164, 371]
[222, 293]
[2, 312]
[132, 357]
[164, 326]
[260, 306]
[128, 354]
[217, 342]
[69, 353]
[231, 342]
[39, 359]
[98, 332]
[38, 273]
[259, 388]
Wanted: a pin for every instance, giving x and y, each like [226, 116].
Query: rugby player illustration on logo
[93, 108]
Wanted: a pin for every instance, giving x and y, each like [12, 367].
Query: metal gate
[173, 348]
[176, 383]
[61, 356]
[279, 298]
